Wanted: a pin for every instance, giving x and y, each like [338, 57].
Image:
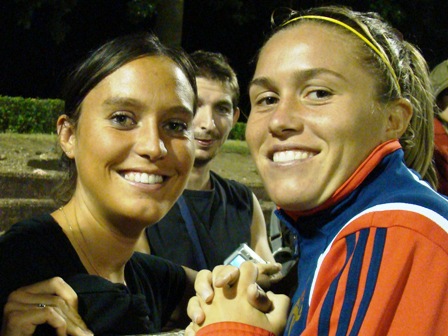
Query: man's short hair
[215, 66]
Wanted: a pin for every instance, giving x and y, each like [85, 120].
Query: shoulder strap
[275, 233]
[199, 255]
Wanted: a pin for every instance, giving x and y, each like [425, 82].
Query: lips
[205, 142]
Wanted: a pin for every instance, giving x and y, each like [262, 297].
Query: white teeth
[290, 155]
[143, 178]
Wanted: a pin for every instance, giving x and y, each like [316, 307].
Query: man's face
[214, 119]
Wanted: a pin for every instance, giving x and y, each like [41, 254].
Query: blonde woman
[341, 132]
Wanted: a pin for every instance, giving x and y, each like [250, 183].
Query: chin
[201, 162]
[146, 211]
[290, 199]
[283, 199]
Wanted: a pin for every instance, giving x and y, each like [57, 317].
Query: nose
[286, 118]
[204, 118]
[149, 144]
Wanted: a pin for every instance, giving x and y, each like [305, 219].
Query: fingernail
[260, 290]
[206, 295]
[255, 287]
[196, 318]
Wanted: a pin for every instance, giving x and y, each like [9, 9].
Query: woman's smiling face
[313, 118]
[133, 144]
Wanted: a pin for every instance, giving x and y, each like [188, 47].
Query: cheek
[107, 148]
[256, 129]
[356, 128]
[224, 124]
[183, 155]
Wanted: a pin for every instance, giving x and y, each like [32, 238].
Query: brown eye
[319, 94]
[224, 109]
[268, 101]
[123, 120]
[176, 126]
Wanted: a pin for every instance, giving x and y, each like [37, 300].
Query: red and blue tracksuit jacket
[373, 259]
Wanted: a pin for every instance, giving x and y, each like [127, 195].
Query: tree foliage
[27, 12]
[43, 38]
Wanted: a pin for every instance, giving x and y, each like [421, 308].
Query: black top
[222, 217]
[37, 249]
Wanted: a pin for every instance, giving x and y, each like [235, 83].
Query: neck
[102, 250]
[199, 178]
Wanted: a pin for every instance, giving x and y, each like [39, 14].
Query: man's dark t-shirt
[222, 218]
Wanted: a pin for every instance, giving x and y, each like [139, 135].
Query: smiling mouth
[290, 155]
[205, 142]
[143, 178]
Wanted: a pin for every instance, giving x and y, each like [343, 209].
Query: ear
[66, 135]
[236, 116]
[400, 114]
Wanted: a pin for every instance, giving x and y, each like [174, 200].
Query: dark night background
[41, 40]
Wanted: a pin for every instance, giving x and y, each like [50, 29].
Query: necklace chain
[77, 242]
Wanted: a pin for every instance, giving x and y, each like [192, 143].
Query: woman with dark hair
[341, 131]
[127, 143]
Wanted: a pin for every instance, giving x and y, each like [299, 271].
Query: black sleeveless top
[37, 249]
[222, 217]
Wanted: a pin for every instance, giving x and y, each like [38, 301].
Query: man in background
[439, 79]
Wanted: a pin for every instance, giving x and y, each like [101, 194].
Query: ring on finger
[41, 305]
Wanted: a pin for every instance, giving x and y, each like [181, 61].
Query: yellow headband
[362, 37]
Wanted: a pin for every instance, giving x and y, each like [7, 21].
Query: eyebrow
[135, 104]
[301, 75]
[224, 102]
[122, 101]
